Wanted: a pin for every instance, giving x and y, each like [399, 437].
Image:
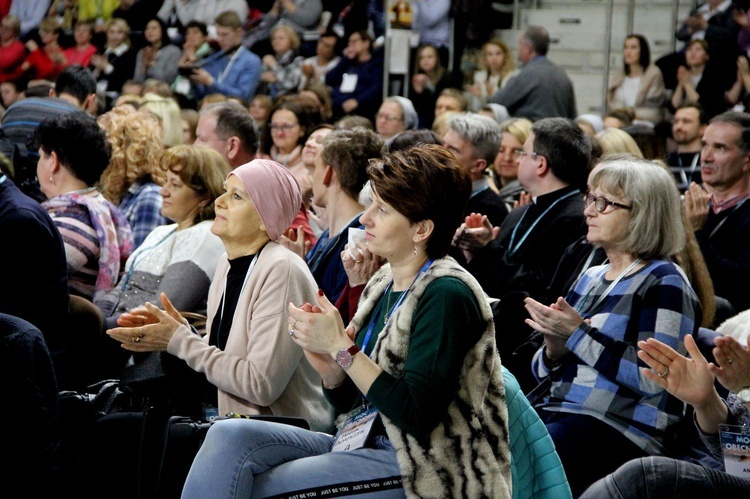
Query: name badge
[348, 83]
[182, 86]
[355, 430]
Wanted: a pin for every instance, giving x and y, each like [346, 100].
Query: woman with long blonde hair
[496, 66]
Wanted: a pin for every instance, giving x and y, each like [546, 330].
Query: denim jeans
[666, 478]
[244, 458]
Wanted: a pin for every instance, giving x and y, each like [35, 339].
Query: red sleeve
[348, 301]
[302, 220]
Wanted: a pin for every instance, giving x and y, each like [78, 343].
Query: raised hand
[151, 337]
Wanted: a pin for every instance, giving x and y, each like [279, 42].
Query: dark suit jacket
[514, 263]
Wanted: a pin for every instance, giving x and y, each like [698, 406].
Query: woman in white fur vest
[415, 377]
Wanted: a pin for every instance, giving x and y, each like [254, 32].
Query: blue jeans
[244, 458]
[665, 478]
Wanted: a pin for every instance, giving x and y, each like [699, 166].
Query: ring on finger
[137, 339]
[291, 333]
[664, 374]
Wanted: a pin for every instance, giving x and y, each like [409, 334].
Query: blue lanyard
[140, 255]
[376, 313]
[511, 248]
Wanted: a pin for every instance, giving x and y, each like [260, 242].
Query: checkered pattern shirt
[141, 205]
[603, 379]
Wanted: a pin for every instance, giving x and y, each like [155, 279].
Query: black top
[34, 275]
[514, 263]
[725, 243]
[222, 322]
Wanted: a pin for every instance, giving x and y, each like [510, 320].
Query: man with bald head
[541, 89]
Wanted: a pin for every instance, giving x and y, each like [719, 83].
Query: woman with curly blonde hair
[133, 178]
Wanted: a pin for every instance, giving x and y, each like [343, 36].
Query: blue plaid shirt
[604, 379]
[141, 205]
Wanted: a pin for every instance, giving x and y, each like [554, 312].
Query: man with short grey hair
[541, 89]
[475, 140]
[228, 128]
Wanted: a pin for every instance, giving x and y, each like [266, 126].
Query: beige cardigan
[649, 104]
[261, 370]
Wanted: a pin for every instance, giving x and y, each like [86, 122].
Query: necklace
[388, 310]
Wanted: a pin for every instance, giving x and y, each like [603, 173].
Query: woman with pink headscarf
[246, 352]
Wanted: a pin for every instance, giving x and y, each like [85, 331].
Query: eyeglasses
[285, 127]
[601, 203]
[519, 153]
[387, 117]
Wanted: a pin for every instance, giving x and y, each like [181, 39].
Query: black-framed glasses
[601, 203]
[519, 153]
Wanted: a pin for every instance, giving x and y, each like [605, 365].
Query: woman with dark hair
[285, 135]
[282, 140]
[639, 84]
[417, 370]
[158, 59]
[429, 78]
[73, 154]
[696, 82]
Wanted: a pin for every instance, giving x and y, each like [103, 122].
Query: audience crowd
[179, 159]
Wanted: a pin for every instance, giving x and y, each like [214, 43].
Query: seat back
[536, 469]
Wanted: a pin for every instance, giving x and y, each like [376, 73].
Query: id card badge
[338, 28]
[348, 83]
[735, 445]
[353, 434]
[182, 86]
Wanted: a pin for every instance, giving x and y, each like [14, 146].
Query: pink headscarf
[274, 192]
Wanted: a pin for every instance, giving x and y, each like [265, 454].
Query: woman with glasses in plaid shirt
[599, 404]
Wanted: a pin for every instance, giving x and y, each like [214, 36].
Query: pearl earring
[415, 249]
[50, 178]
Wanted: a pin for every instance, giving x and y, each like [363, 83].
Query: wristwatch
[744, 395]
[345, 357]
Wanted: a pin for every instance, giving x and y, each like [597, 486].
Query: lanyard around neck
[580, 306]
[139, 256]
[376, 313]
[511, 248]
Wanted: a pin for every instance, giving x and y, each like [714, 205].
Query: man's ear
[89, 102]
[479, 166]
[543, 167]
[328, 175]
[234, 146]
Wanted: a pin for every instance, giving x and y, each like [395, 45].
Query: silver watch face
[344, 358]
